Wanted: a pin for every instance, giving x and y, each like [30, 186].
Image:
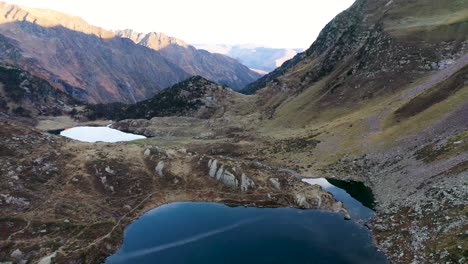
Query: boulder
[109, 170]
[228, 179]
[159, 168]
[212, 164]
[246, 183]
[147, 152]
[301, 200]
[275, 183]
[220, 173]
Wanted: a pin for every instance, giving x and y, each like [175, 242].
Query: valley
[379, 101]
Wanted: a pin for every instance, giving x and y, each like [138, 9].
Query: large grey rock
[109, 170]
[147, 152]
[301, 200]
[19, 256]
[220, 173]
[275, 183]
[212, 164]
[246, 183]
[228, 179]
[159, 168]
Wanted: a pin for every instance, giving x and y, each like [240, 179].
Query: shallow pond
[216, 233]
[95, 134]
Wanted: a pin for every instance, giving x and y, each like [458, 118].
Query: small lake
[354, 195]
[195, 233]
[95, 134]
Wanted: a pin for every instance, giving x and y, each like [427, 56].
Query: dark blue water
[358, 206]
[215, 233]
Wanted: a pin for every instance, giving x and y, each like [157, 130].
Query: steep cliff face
[216, 67]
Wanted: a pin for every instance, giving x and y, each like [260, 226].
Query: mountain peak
[10, 13]
[153, 40]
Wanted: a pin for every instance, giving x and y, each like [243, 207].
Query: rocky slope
[384, 91]
[255, 57]
[83, 60]
[195, 97]
[71, 201]
[23, 95]
[381, 97]
[216, 67]
[96, 65]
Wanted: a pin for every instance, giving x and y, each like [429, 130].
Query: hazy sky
[273, 23]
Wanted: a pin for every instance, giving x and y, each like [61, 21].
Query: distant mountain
[255, 57]
[96, 65]
[216, 67]
[196, 96]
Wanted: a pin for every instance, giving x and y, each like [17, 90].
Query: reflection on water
[95, 134]
[216, 233]
[358, 204]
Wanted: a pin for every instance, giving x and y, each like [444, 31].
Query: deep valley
[378, 102]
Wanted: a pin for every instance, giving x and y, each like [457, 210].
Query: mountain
[216, 67]
[96, 65]
[258, 58]
[384, 89]
[196, 97]
[380, 98]
[23, 95]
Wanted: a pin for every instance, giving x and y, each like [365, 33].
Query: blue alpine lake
[195, 232]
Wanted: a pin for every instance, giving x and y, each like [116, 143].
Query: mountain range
[216, 67]
[262, 59]
[380, 98]
[96, 65]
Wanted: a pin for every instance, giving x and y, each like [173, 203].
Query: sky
[270, 23]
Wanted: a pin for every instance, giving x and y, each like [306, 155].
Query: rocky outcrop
[159, 168]
[228, 178]
[246, 183]
[275, 183]
[222, 174]
[25, 95]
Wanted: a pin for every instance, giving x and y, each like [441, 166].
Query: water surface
[216, 233]
[357, 198]
[95, 134]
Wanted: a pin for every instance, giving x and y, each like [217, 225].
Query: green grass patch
[456, 144]
[432, 96]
